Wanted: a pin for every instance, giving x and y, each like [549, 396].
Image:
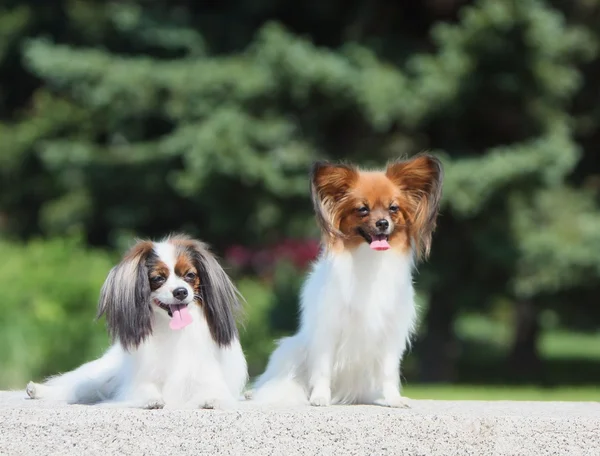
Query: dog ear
[329, 186]
[125, 298]
[420, 180]
[219, 297]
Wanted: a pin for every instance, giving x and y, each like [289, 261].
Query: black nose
[382, 224]
[180, 293]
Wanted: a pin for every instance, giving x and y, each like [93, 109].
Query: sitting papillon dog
[170, 310]
[357, 306]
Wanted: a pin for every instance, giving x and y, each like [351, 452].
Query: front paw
[320, 397]
[32, 390]
[39, 391]
[155, 404]
[210, 404]
[396, 402]
[213, 403]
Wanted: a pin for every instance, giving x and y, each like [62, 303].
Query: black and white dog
[169, 307]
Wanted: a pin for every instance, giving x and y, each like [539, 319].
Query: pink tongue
[380, 244]
[181, 317]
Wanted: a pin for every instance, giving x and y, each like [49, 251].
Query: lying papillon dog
[170, 310]
[357, 306]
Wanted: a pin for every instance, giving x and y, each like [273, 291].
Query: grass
[500, 393]
[566, 344]
[571, 362]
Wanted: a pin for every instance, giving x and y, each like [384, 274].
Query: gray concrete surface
[429, 428]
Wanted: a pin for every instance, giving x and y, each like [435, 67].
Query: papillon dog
[357, 309]
[170, 310]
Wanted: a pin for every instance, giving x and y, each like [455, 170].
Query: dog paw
[320, 401]
[209, 404]
[214, 403]
[248, 395]
[395, 402]
[320, 398]
[155, 404]
[32, 390]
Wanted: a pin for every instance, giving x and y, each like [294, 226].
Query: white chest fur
[364, 287]
[357, 314]
[357, 311]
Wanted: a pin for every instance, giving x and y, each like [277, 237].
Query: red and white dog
[357, 306]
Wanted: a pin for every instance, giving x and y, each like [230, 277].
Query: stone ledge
[429, 428]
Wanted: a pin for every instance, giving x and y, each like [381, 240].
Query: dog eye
[157, 279]
[394, 208]
[190, 276]
[362, 211]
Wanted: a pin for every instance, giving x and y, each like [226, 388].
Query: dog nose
[180, 293]
[382, 224]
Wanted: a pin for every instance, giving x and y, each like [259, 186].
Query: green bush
[255, 332]
[48, 295]
[287, 285]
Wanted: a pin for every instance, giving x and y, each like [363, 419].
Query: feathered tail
[283, 382]
[95, 381]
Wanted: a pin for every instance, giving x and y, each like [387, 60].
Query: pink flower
[300, 252]
[238, 255]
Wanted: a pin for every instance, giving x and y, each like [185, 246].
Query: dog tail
[92, 382]
[282, 382]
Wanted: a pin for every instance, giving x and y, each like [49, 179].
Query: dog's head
[159, 281]
[395, 207]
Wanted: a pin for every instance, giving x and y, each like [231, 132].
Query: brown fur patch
[330, 185]
[420, 180]
[140, 249]
[184, 268]
[157, 268]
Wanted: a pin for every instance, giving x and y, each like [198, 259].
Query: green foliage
[287, 284]
[564, 246]
[48, 296]
[255, 332]
[568, 358]
[140, 118]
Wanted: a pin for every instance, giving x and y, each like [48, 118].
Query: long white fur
[173, 369]
[357, 316]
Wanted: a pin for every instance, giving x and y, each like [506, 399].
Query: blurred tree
[146, 117]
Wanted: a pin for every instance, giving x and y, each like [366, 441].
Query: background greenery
[137, 118]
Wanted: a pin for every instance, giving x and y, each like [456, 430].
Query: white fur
[357, 316]
[179, 369]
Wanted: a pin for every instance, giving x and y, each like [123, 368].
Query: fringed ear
[220, 298]
[420, 180]
[329, 186]
[125, 298]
